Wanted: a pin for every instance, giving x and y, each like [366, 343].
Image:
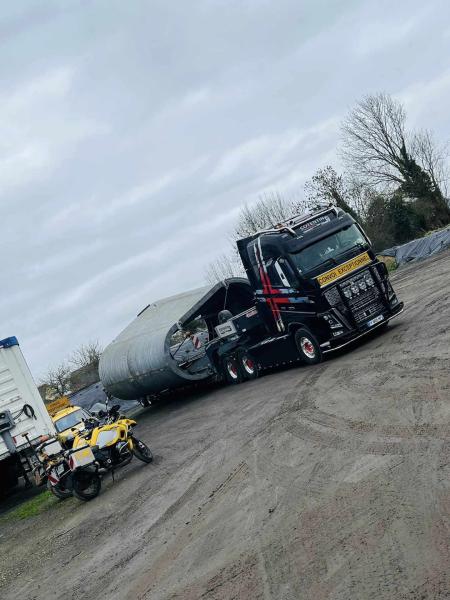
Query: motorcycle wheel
[86, 485]
[142, 451]
[59, 491]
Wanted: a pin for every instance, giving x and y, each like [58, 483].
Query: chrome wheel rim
[248, 365]
[232, 370]
[307, 347]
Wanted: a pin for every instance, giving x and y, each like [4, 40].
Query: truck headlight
[369, 280]
[348, 293]
[355, 289]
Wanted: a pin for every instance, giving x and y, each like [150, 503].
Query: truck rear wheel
[232, 370]
[248, 365]
[308, 347]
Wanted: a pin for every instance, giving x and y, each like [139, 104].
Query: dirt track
[326, 482]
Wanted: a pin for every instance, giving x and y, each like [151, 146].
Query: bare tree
[269, 210]
[362, 197]
[374, 140]
[432, 158]
[377, 148]
[326, 185]
[57, 379]
[224, 267]
[86, 354]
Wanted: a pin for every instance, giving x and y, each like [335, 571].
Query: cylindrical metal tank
[139, 361]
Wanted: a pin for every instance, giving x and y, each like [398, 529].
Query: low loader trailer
[314, 284]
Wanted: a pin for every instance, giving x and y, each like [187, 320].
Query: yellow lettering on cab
[342, 270]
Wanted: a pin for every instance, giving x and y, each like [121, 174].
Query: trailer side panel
[20, 396]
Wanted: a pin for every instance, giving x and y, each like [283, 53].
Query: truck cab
[319, 271]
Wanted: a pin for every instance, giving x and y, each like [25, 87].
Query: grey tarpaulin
[420, 248]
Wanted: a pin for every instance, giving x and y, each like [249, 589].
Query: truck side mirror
[288, 271]
[280, 268]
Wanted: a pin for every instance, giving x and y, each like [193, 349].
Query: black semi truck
[318, 286]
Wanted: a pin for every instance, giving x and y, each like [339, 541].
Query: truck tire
[232, 370]
[308, 347]
[249, 366]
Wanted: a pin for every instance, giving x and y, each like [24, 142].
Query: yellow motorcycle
[67, 472]
[113, 441]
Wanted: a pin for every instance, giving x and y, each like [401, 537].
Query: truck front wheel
[308, 347]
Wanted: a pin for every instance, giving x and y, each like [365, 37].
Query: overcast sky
[132, 132]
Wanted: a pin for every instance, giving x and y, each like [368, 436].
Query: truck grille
[369, 310]
[364, 299]
[366, 304]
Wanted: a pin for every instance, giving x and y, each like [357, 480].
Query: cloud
[62, 260]
[380, 35]
[36, 129]
[54, 84]
[266, 154]
[170, 248]
[420, 96]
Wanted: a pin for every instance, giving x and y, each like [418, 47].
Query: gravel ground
[325, 482]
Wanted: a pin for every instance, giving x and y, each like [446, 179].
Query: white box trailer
[23, 415]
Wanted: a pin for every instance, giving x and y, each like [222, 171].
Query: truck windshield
[330, 250]
[69, 421]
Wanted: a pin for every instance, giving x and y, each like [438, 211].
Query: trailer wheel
[308, 347]
[232, 370]
[249, 366]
